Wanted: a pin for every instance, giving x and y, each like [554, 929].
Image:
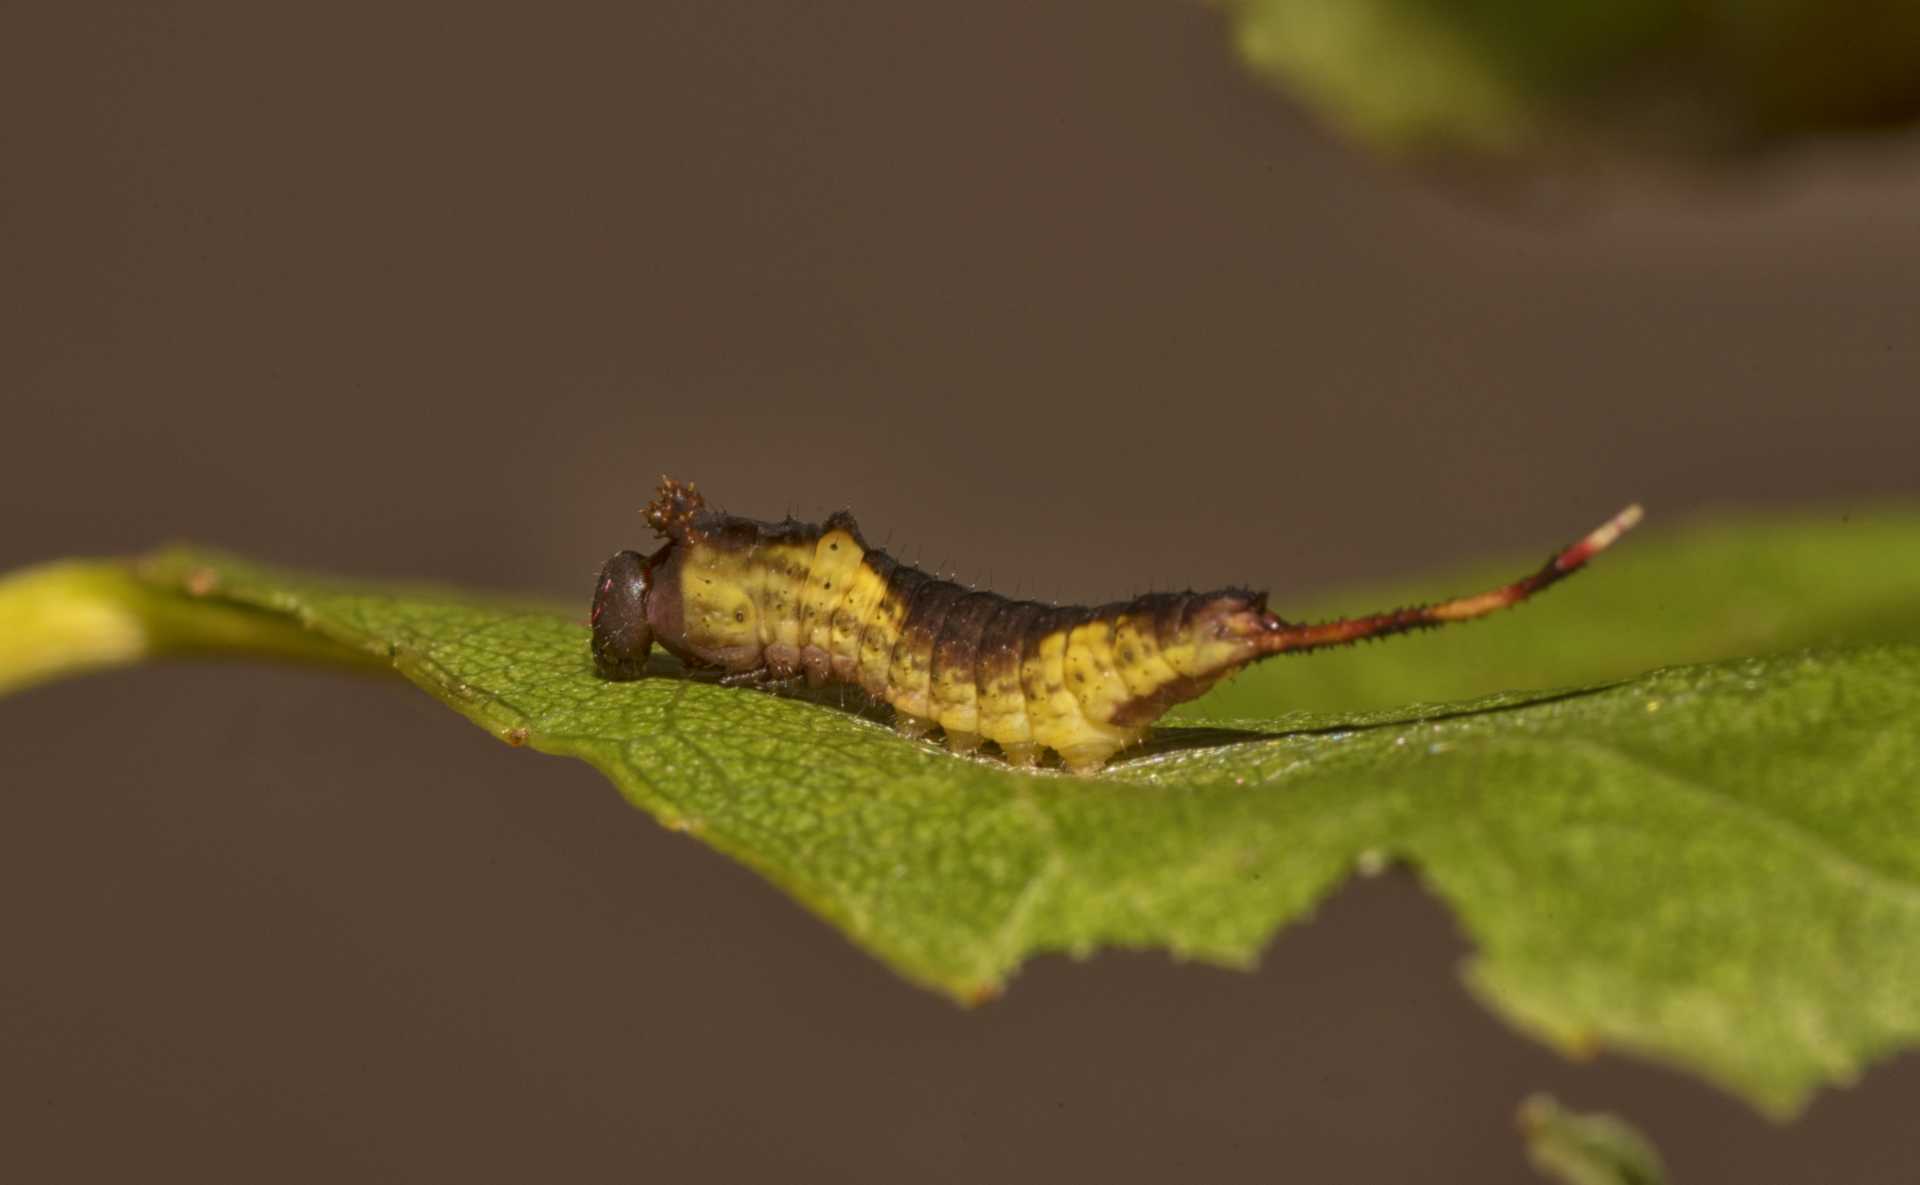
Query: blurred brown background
[1050, 294]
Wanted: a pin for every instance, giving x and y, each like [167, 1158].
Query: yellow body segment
[865, 589]
[909, 676]
[952, 698]
[835, 559]
[717, 598]
[1051, 709]
[781, 593]
[877, 642]
[1001, 702]
[1093, 674]
[1054, 716]
[1002, 715]
[1136, 654]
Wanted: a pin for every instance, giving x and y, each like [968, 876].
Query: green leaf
[1500, 77]
[1716, 865]
[1587, 1149]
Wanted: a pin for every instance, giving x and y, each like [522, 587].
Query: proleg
[766, 601]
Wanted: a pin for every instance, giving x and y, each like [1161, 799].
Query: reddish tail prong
[1281, 637]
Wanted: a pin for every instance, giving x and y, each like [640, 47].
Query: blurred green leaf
[1716, 865]
[1587, 1149]
[1506, 76]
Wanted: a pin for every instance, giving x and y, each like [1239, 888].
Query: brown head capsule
[621, 635]
[767, 601]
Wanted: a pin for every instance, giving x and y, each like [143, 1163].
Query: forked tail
[1282, 637]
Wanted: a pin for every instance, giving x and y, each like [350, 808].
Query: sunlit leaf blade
[1715, 865]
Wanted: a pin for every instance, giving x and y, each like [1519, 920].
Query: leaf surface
[1716, 865]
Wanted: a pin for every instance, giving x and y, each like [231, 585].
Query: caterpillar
[773, 603]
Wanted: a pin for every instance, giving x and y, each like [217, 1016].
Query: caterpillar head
[622, 636]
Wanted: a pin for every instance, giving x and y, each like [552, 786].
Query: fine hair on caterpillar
[770, 603]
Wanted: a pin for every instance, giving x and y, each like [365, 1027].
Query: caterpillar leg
[1088, 758]
[1021, 754]
[913, 726]
[962, 742]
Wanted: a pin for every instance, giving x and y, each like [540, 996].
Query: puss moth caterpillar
[771, 602]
